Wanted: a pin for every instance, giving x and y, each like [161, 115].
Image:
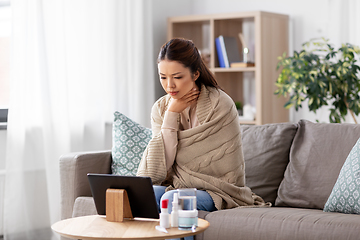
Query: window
[5, 39]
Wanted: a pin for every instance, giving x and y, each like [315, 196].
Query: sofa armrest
[74, 168]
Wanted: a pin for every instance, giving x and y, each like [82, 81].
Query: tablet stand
[117, 205]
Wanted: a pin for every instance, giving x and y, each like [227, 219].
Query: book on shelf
[231, 49]
[242, 64]
[219, 42]
[228, 50]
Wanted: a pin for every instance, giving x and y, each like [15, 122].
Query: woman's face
[176, 79]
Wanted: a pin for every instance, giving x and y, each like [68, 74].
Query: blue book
[220, 51]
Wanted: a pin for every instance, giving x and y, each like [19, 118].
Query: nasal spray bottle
[164, 215]
[175, 211]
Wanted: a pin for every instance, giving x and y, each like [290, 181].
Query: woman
[196, 134]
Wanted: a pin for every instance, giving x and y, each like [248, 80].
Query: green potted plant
[323, 76]
[239, 107]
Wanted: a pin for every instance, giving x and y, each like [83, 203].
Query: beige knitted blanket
[209, 157]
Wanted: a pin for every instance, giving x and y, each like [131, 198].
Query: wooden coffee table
[97, 227]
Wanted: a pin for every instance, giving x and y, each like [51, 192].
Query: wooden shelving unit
[267, 37]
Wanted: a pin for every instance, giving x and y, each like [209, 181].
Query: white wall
[162, 9]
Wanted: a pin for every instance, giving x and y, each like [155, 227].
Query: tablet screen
[139, 190]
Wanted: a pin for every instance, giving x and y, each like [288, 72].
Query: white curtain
[74, 62]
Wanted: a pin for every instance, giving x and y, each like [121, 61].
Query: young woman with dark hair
[185, 52]
[196, 139]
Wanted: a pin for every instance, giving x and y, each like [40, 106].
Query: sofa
[295, 166]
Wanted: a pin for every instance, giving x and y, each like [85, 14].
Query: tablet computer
[139, 190]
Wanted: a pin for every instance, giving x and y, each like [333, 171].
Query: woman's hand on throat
[179, 105]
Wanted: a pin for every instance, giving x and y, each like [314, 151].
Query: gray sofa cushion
[345, 196]
[280, 223]
[74, 168]
[314, 166]
[266, 152]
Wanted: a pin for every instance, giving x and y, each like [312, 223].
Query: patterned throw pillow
[129, 142]
[345, 196]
